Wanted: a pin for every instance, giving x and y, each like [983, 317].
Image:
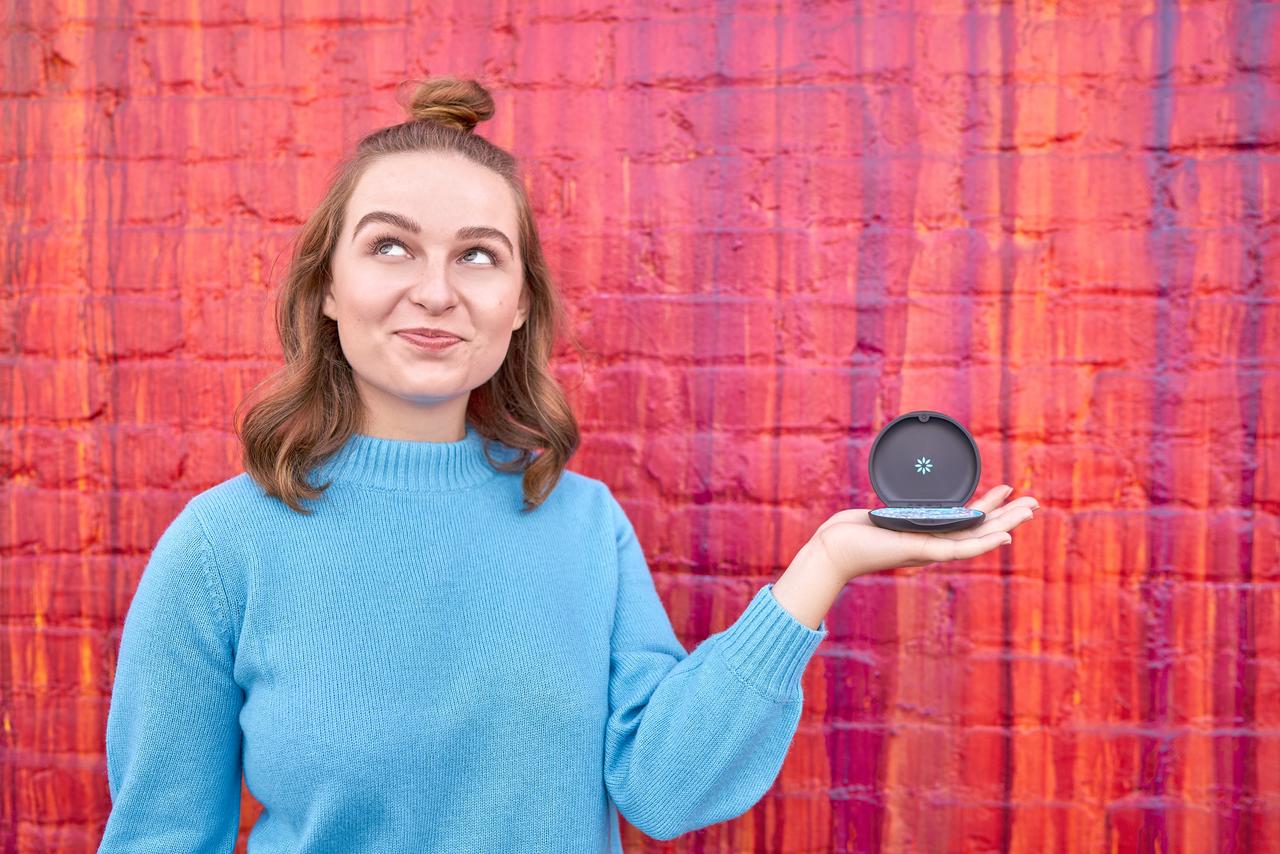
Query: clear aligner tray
[928, 512]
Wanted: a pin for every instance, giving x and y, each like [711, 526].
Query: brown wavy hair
[310, 406]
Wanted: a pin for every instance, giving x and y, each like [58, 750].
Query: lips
[430, 331]
[430, 338]
[430, 343]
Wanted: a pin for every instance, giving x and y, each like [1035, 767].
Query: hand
[855, 546]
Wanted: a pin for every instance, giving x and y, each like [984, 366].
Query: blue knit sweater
[420, 667]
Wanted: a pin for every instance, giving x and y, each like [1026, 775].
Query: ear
[329, 308]
[522, 310]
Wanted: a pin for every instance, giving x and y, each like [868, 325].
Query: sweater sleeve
[173, 733]
[696, 739]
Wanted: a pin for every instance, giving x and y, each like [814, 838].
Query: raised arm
[696, 739]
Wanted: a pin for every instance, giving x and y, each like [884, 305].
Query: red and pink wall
[777, 226]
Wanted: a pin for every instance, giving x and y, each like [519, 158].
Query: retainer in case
[925, 466]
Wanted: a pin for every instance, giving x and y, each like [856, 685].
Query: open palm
[857, 546]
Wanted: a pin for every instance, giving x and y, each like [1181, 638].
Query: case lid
[924, 459]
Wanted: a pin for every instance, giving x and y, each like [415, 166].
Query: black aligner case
[924, 465]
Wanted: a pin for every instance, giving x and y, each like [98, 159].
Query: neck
[390, 417]
[407, 465]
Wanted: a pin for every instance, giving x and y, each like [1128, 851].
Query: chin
[426, 394]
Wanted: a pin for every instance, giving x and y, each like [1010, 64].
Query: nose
[434, 289]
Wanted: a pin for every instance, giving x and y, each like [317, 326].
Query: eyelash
[387, 238]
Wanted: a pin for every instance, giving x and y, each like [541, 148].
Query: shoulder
[185, 556]
[195, 513]
[233, 498]
[580, 483]
[232, 523]
[579, 488]
[238, 518]
[596, 500]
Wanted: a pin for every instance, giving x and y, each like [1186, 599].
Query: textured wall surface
[777, 226]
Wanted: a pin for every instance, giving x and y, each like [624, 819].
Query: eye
[377, 243]
[493, 256]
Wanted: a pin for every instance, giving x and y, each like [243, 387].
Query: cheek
[356, 298]
[506, 308]
[362, 307]
[497, 323]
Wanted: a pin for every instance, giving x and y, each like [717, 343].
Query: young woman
[406, 628]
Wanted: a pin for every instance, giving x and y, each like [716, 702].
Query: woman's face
[428, 240]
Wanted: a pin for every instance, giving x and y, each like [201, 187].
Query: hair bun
[451, 102]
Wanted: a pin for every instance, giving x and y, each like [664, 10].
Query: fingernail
[1008, 540]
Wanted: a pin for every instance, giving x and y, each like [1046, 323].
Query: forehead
[442, 192]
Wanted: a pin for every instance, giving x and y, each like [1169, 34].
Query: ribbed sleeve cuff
[769, 648]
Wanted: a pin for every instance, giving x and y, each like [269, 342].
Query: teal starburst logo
[924, 465]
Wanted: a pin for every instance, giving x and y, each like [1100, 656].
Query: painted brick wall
[777, 226]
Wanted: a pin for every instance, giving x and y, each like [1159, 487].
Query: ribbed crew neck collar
[409, 465]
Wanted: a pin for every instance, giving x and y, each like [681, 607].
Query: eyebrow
[469, 232]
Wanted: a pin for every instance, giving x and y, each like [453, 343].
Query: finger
[1008, 521]
[1024, 501]
[1021, 501]
[1012, 513]
[941, 550]
[992, 499]
[1005, 519]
